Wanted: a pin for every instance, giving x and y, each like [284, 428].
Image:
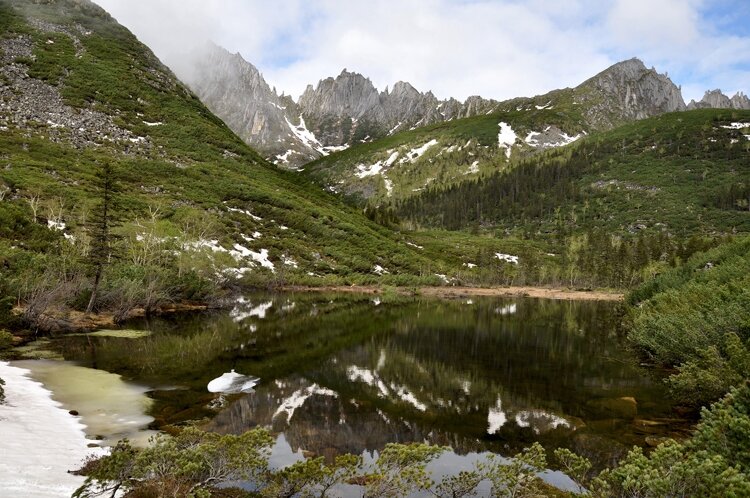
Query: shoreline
[458, 292]
[42, 441]
[70, 321]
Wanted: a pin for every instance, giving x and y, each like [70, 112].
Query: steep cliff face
[234, 90]
[627, 91]
[334, 114]
[340, 112]
[349, 109]
[715, 99]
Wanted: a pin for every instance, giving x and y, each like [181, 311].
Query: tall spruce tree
[103, 219]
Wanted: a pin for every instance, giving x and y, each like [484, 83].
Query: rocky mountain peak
[716, 99]
[349, 94]
[235, 90]
[626, 91]
[405, 89]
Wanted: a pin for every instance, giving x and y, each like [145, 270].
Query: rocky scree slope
[77, 90]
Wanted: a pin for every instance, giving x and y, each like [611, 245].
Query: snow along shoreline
[40, 441]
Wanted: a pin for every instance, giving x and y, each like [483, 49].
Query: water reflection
[353, 373]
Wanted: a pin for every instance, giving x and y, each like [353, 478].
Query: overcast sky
[456, 48]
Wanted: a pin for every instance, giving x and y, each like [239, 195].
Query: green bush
[697, 317]
[6, 339]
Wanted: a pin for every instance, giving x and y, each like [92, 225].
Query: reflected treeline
[347, 373]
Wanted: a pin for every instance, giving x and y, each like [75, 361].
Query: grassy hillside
[196, 206]
[680, 173]
[448, 153]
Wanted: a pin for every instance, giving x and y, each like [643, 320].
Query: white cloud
[498, 49]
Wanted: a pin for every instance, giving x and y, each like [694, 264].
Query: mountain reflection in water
[348, 374]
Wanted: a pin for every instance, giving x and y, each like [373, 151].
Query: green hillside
[681, 174]
[197, 208]
[448, 153]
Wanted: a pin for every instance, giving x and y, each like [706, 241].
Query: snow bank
[41, 441]
[416, 153]
[508, 258]
[233, 383]
[108, 406]
[375, 169]
[506, 138]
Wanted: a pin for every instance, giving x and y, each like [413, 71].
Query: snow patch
[388, 186]
[56, 225]
[507, 258]
[736, 126]
[284, 158]
[416, 153]
[41, 441]
[375, 169]
[506, 138]
[334, 148]
[289, 261]
[473, 169]
[379, 270]
[442, 277]
[246, 213]
[305, 136]
[155, 123]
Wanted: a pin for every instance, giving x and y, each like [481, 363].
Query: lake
[350, 373]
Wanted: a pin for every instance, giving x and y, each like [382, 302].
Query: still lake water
[348, 374]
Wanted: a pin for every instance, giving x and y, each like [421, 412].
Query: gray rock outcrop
[628, 91]
[715, 99]
[234, 90]
[335, 113]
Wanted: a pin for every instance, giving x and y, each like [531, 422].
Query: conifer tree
[103, 219]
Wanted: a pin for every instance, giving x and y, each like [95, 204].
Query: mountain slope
[77, 90]
[388, 170]
[679, 174]
[335, 114]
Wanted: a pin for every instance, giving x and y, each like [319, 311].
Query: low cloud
[498, 49]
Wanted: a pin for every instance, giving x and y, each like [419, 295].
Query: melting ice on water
[233, 383]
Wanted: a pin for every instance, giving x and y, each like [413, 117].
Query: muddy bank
[455, 292]
[63, 321]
